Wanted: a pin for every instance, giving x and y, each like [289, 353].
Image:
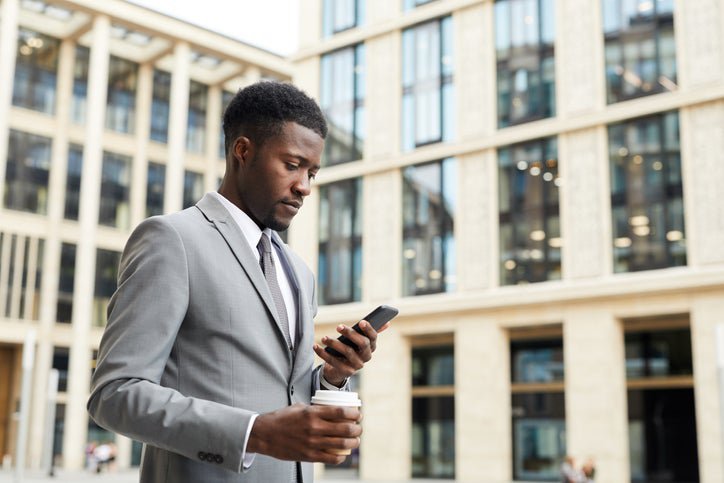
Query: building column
[9, 11]
[144, 98]
[213, 128]
[706, 314]
[595, 382]
[483, 443]
[76, 418]
[383, 108]
[177, 127]
[52, 251]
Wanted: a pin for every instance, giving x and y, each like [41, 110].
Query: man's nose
[303, 185]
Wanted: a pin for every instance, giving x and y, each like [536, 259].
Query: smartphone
[377, 318]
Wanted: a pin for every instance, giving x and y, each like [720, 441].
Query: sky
[270, 24]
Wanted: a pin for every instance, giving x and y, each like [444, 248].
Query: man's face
[275, 178]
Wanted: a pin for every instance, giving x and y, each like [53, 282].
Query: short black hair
[260, 110]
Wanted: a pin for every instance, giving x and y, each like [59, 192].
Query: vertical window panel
[66, 284]
[160, 106]
[341, 15]
[106, 280]
[226, 98]
[27, 172]
[115, 186]
[121, 103]
[193, 188]
[72, 184]
[36, 71]
[80, 84]
[196, 123]
[155, 182]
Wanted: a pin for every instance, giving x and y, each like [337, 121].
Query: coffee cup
[340, 399]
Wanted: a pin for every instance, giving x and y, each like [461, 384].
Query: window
[107, 262]
[539, 418]
[155, 189]
[66, 284]
[428, 210]
[340, 242]
[342, 100]
[433, 412]
[196, 133]
[226, 98]
[661, 400]
[36, 71]
[646, 194]
[122, 79]
[21, 278]
[26, 174]
[80, 84]
[428, 109]
[72, 184]
[115, 183]
[193, 188]
[340, 15]
[61, 358]
[160, 105]
[524, 41]
[530, 234]
[640, 48]
[411, 4]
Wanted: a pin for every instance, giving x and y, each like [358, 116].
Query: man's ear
[242, 150]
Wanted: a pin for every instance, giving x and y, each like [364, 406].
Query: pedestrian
[207, 357]
[569, 473]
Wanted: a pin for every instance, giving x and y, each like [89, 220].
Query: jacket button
[202, 455]
[210, 458]
[219, 459]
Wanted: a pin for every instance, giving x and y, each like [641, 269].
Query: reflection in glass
[80, 84]
[193, 188]
[155, 188]
[340, 15]
[121, 103]
[198, 102]
[428, 210]
[340, 242]
[433, 366]
[539, 435]
[107, 262]
[662, 353]
[530, 238]
[66, 284]
[640, 48]
[646, 194]
[115, 182]
[342, 100]
[72, 184]
[433, 437]
[226, 98]
[427, 84]
[26, 172]
[524, 41]
[160, 105]
[537, 360]
[36, 71]
[61, 359]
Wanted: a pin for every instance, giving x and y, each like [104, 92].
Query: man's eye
[312, 175]
[292, 166]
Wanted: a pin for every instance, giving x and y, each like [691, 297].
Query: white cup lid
[336, 398]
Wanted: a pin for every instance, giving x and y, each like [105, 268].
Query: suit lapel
[217, 214]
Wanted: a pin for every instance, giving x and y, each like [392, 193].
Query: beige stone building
[534, 184]
[129, 101]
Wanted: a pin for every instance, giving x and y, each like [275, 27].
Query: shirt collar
[252, 232]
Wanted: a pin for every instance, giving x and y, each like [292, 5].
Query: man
[208, 352]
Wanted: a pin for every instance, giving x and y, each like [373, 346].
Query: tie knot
[264, 243]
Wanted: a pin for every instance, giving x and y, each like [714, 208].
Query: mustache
[293, 202]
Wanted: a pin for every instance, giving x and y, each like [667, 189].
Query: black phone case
[378, 317]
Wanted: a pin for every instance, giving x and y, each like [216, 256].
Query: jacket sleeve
[144, 317]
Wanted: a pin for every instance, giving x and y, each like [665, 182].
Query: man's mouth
[293, 204]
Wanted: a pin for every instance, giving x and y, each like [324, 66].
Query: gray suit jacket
[193, 348]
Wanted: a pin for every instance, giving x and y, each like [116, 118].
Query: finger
[339, 364]
[350, 357]
[362, 341]
[337, 414]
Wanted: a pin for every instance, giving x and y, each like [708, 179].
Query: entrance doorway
[7, 373]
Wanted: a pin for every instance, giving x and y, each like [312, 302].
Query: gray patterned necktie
[270, 274]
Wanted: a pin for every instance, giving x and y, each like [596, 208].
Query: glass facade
[342, 100]
[61, 359]
[21, 275]
[160, 105]
[433, 416]
[539, 418]
[198, 102]
[646, 193]
[66, 283]
[107, 262]
[340, 15]
[36, 71]
[640, 48]
[428, 104]
[115, 187]
[155, 183]
[193, 188]
[121, 103]
[226, 98]
[72, 183]
[428, 210]
[524, 47]
[530, 234]
[340, 242]
[27, 172]
[80, 84]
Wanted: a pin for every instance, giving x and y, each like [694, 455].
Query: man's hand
[306, 433]
[337, 369]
